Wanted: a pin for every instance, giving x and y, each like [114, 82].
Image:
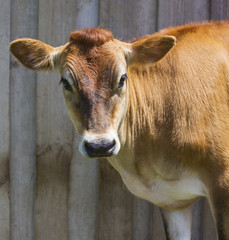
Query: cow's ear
[35, 54]
[150, 49]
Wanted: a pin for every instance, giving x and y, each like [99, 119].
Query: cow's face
[93, 68]
[95, 87]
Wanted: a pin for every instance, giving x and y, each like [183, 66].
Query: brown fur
[175, 103]
[91, 37]
[34, 54]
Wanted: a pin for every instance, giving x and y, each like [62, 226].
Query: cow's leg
[177, 223]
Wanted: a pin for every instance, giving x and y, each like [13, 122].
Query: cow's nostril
[90, 146]
[109, 146]
[101, 149]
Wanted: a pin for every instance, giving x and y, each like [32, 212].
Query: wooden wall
[47, 190]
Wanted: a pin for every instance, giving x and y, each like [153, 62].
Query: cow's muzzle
[95, 146]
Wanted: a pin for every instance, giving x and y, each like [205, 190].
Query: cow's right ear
[35, 54]
[149, 49]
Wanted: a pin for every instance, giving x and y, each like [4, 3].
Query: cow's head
[93, 67]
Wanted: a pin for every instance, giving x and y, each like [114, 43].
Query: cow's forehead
[101, 63]
[111, 50]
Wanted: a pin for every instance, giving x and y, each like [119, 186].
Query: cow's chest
[166, 187]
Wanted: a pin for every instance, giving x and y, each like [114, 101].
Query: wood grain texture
[22, 127]
[54, 129]
[219, 9]
[197, 219]
[4, 119]
[87, 14]
[176, 12]
[208, 225]
[158, 232]
[142, 213]
[128, 19]
[4, 90]
[115, 205]
[83, 184]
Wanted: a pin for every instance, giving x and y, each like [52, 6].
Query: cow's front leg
[177, 223]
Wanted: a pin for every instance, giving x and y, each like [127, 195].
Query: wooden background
[47, 190]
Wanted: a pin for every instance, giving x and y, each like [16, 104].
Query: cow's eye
[122, 80]
[66, 84]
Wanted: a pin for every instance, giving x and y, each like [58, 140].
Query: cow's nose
[101, 149]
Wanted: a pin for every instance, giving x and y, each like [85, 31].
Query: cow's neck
[145, 110]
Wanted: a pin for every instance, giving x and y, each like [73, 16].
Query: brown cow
[163, 125]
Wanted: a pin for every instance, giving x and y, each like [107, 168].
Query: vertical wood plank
[157, 225]
[176, 12]
[127, 19]
[83, 187]
[219, 9]
[115, 205]
[209, 228]
[141, 219]
[4, 119]
[54, 129]
[22, 127]
[197, 219]
[86, 15]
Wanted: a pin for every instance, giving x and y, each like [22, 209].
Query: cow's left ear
[150, 49]
[35, 54]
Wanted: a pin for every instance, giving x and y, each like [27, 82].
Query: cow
[157, 108]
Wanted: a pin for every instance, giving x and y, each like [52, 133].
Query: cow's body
[185, 97]
[166, 129]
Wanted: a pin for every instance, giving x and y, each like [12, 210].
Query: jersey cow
[157, 108]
